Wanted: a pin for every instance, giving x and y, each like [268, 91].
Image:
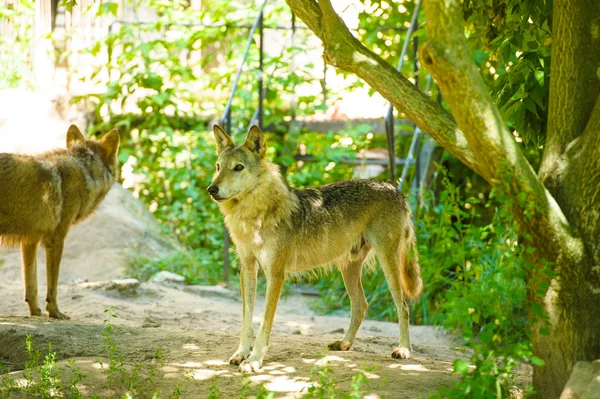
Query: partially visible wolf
[42, 195]
[286, 230]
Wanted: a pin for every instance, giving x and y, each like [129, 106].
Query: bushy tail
[410, 271]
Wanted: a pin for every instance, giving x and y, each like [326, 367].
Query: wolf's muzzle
[213, 190]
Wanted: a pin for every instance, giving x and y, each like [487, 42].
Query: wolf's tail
[410, 271]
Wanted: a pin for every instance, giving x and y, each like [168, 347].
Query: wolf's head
[90, 151]
[238, 168]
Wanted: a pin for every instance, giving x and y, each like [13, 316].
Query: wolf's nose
[213, 190]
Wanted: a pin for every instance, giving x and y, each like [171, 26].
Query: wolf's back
[30, 196]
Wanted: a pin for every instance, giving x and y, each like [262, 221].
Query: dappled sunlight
[5, 323]
[328, 359]
[408, 367]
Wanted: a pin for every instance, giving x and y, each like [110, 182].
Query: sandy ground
[197, 333]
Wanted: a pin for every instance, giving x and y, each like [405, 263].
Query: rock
[125, 284]
[149, 323]
[584, 382]
[212, 290]
[167, 277]
[375, 329]
[337, 331]
[95, 285]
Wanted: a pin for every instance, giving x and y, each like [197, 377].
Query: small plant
[325, 385]
[43, 378]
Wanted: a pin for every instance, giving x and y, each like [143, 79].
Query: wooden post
[43, 64]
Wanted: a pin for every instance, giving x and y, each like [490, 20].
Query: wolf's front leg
[54, 250]
[248, 288]
[275, 275]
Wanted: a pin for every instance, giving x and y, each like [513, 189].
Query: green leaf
[536, 361]
[68, 4]
[461, 367]
[108, 8]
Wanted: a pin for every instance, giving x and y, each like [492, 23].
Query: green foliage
[45, 379]
[152, 78]
[42, 377]
[323, 386]
[15, 51]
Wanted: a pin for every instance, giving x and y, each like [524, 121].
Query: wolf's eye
[238, 167]
[218, 167]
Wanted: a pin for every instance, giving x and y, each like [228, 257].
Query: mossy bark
[561, 212]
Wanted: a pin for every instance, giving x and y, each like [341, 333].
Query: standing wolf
[42, 195]
[285, 230]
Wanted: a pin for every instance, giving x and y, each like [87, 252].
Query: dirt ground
[197, 330]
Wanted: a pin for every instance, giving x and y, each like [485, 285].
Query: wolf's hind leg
[248, 287]
[54, 250]
[391, 270]
[29, 252]
[352, 275]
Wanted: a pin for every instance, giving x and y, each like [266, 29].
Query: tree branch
[344, 51]
[447, 56]
[574, 83]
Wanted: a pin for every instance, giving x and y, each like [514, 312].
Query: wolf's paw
[55, 314]
[35, 312]
[339, 345]
[250, 365]
[239, 356]
[401, 353]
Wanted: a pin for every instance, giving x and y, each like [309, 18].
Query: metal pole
[293, 65]
[389, 118]
[389, 133]
[324, 82]
[261, 93]
[413, 144]
[416, 57]
[226, 240]
[239, 71]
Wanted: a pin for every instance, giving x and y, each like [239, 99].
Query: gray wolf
[286, 230]
[42, 195]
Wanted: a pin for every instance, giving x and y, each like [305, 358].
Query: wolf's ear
[256, 142]
[110, 143]
[223, 140]
[74, 136]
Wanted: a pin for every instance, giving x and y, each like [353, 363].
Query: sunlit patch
[351, 365]
[309, 361]
[370, 376]
[408, 367]
[190, 346]
[188, 364]
[285, 384]
[331, 358]
[277, 372]
[273, 366]
[202, 374]
[289, 369]
[170, 369]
